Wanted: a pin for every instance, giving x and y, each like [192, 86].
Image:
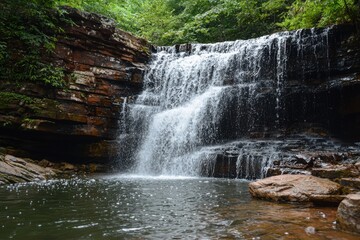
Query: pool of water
[130, 207]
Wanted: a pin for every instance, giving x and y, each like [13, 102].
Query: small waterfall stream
[210, 94]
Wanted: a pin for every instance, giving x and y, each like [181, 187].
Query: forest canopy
[167, 22]
[30, 27]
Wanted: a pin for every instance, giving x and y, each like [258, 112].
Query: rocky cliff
[103, 66]
[319, 113]
[290, 102]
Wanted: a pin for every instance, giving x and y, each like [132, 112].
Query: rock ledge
[293, 188]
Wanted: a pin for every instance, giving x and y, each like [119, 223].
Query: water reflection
[154, 208]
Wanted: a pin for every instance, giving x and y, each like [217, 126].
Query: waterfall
[123, 116]
[211, 94]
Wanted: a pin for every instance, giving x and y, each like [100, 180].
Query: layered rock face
[79, 122]
[318, 112]
[238, 109]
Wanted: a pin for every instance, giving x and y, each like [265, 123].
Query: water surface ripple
[119, 207]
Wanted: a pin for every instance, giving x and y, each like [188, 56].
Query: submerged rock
[310, 230]
[293, 188]
[348, 214]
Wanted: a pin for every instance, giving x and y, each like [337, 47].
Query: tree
[24, 37]
[320, 13]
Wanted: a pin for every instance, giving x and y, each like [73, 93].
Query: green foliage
[124, 12]
[320, 13]
[10, 97]
[170, 21]
[166, 22]
[28, 30]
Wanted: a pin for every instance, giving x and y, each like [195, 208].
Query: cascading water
[211, 94]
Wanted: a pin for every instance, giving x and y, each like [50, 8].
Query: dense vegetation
[28, 30]
[177, 21]
[29, 27]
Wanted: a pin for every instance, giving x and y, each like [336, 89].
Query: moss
[9, 97]
[29, 106]
[28, 120]
[146, 50]
[46, 107]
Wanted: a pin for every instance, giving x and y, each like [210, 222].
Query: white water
[214, 94]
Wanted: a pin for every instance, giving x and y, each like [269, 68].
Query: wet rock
[328, 200]
[67, 167]
[273, 172]
[336, 171]
[96, 168]
[302, 159]
[292, 188]
[259, 158]
[351, 182]
[310, 230]
[15, 170]
[348, 214]
[357, 165]
[45, 163]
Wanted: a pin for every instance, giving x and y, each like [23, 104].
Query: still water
[128, 207]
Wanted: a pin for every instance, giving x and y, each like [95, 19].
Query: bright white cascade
[207, 96]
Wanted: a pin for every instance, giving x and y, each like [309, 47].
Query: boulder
[15, 170]
[348, 213]
[19, 170]
[293, 188]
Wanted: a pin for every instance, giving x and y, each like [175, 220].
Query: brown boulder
[292, 188]
[15, 170]
[348, 214]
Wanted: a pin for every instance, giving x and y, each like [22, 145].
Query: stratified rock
[350, 182]
[15, 170]
[357, 165]
[292, 188]
[336, 171]
[103, 66]
[348, 214]
[329, 200]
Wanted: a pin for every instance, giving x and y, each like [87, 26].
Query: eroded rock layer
[103, 66]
